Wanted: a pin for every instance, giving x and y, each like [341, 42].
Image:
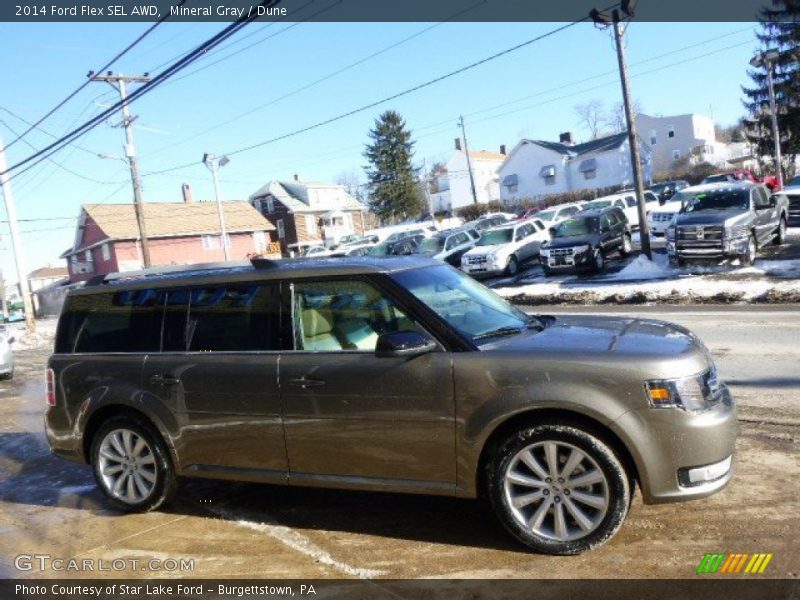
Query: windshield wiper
[535, 322]
[500, 331]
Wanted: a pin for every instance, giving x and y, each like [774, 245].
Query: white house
[675, 137]
[537, 168]
[484, 172]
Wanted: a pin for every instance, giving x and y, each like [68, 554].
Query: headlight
[580, 249]
[544, 252]
[694, 393]
[671, 233]
[737, 231]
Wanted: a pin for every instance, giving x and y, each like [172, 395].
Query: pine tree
[394, 190]
[779, 30]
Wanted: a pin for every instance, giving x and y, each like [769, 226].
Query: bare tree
[592, 116]
[616, 121]
[351, 181]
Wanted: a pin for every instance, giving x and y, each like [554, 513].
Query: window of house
[88, 256]
[106, 252]
[74, 258]
[270, 205]
[281, 230]
[590, 174]
[548, 173]
[259, 241]
[311, 225]
[671, 131]
[336, 316]
[348, 221]
[676, 154]
[211, 242]
[653, 138]
[512, 188]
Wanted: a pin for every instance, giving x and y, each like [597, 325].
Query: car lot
[236, 530]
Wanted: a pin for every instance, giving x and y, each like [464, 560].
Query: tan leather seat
[318, 330]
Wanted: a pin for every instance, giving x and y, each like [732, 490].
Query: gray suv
[398, 374]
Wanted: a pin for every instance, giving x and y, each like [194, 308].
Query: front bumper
[669, 445]
[571, 262]
[725, 248]
[486, 267]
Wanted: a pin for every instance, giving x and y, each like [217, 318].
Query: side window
[110, 322]
[539, 224]
[630, 201]
[175, 305]
[568, 212]
[605, 224]
[759, 197]
[341, 315]
[234, 318]
[451, 242]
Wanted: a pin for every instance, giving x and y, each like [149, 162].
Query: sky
[272, 79]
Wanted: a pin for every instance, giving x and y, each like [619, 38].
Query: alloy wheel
[127, 466]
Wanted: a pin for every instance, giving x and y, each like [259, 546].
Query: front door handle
[165, 379]
[307, 382]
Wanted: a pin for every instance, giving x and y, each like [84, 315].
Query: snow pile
[42, 338]
[642, 268]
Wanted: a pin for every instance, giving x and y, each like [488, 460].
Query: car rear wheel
[558, 489]
[513, 266]
[131, 465]
[749, 257]
[627, 245]
[780, 235]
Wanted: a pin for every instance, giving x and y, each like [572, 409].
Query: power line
[155, 81]
[119, 55]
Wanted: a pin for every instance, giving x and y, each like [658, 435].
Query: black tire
[677, 261]
[749, 257]
[616, 489]
[780, 235]
[513, 266]
[599, 260]
[166, 483]
[627, 245]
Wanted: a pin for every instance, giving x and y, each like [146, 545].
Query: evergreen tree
[394, 190]
[780, 31]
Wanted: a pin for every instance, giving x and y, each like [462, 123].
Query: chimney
[503, 149]
[566, 138]
[458, 143]
[296, 177]
[186, 190]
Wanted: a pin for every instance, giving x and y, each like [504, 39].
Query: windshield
[380, 250]
[471, 308]
[717, 178]
[573, 227]
[716, 200]
[495, 236]
[795, 180]
[597, 204]
[546, 215]
[431, 246]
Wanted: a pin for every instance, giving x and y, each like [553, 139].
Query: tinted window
[630, 200]
[333, 316]
[110, 322]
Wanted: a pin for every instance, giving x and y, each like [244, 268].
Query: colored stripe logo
[734, 563]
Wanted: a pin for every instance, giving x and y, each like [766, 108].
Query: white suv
[504, 248]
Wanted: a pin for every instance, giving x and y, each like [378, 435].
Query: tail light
[50, 379]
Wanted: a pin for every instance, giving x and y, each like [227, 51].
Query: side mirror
[773, 201]
[552, 231]
[404, 343]
[12, 339]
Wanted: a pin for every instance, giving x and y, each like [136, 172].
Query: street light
[213, 163]
[767, 60]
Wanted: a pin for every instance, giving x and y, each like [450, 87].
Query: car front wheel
[131, 465]
[749, 257]
[558, 489]
[780, 235]
[599, 261]
[513, 266]
[627, 245]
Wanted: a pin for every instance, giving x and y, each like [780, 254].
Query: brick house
[107, 236]
[307, 214]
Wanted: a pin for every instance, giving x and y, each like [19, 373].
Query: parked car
[315, 251]
[6, 355]
[353, 250]
[487, 222]
[556, 214]
[794, 184]
[399, 375]
[503, 249]
[667, 189]
[585, 241]
[406, 233]
[731, 177]
[398, 247]
[626, 201]
[450, 245]
[793, 200]
[726, 220]
[660, 217]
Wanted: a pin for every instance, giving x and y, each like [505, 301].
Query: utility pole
[16, 243]
[601, 18]
[119, 82]
[213, 163]
[767, 60]
[469, 164]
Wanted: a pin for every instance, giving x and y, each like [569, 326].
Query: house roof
[170, 219]
[485, 154]
[602, 144]
[294, 195]
[48, 273]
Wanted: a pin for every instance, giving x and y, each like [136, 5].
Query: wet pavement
[51, 507]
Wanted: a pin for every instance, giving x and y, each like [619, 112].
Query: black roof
[259, 269]
[596, 212]
[609, 142]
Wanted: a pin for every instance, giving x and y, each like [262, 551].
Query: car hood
[668, 207]
[612, 339]
[484, 250]
[712, 217]
[568, 242]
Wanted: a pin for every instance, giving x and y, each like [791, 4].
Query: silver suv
[399, 374]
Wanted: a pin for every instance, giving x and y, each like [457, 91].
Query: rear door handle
[306, 382]
[164, 379]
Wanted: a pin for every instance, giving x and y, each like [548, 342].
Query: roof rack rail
[163, 270]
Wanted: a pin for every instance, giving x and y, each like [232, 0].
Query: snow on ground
[657, 281]
[43, 337]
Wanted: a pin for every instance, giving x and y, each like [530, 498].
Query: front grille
[662, 217]
[476, 260]
[562, 251]
[703, 233]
